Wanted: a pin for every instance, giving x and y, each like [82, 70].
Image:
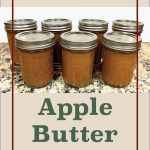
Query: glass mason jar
[127, 26]
[99, 27]
[78, 57]
[119, 58]
[57, 26]
[36, 57]
[20, 25]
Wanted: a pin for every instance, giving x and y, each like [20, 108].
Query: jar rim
[21, 24]
[93, 25]
[34, 40]
[78, 40]
[56, 24]
[121, 41]
[127, 25]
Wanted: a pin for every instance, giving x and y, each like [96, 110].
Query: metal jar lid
[127, 26]
[56, 25]
[121, 41]
[34, 40]
[79, 40]
[93, 25]
[21, 25]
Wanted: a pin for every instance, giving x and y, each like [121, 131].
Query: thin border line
[12, 67]
[137, 74]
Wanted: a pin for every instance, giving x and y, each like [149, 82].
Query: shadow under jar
[78, 57]
[119, 58]
[36, 57]
[20, 25]
[99, 27]
[57, 26]
[127, 26]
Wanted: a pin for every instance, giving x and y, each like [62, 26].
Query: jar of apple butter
[127, 26]
[119, 58]
[36, 57]
[99, 27]
[57, 26]
[20, 25]
[78, 57]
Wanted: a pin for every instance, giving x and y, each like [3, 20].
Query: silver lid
[93, 25]
[78, 40]
[21, 24]
[56, 25]
[127, 26]
[34, 40]
[121, 41]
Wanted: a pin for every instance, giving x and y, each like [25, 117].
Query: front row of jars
[78, 51]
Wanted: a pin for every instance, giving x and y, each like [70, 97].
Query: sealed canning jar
[99, 27]
[78, 57]
[36, 57]
[20, 25]
[127, 26]
[119, 58]
[57, 26]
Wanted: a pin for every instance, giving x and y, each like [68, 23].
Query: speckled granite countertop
[58, 86]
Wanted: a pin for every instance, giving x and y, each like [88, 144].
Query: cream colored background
[75, 3]
[122, 119]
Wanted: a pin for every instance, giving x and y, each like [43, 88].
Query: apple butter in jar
[36, 57]
[20, 25]
[119, 58]
[127, 26]
[78, 57]
[57, 26]
[99, 27]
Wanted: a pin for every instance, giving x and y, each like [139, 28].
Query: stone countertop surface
[58, 86]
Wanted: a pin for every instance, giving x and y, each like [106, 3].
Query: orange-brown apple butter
[20, 25]
[36, 57]
[57, 26]
[78, 57]
[119, 58]
[99, 27]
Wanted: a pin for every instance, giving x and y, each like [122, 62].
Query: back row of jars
[86, 50]
[58, 26]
